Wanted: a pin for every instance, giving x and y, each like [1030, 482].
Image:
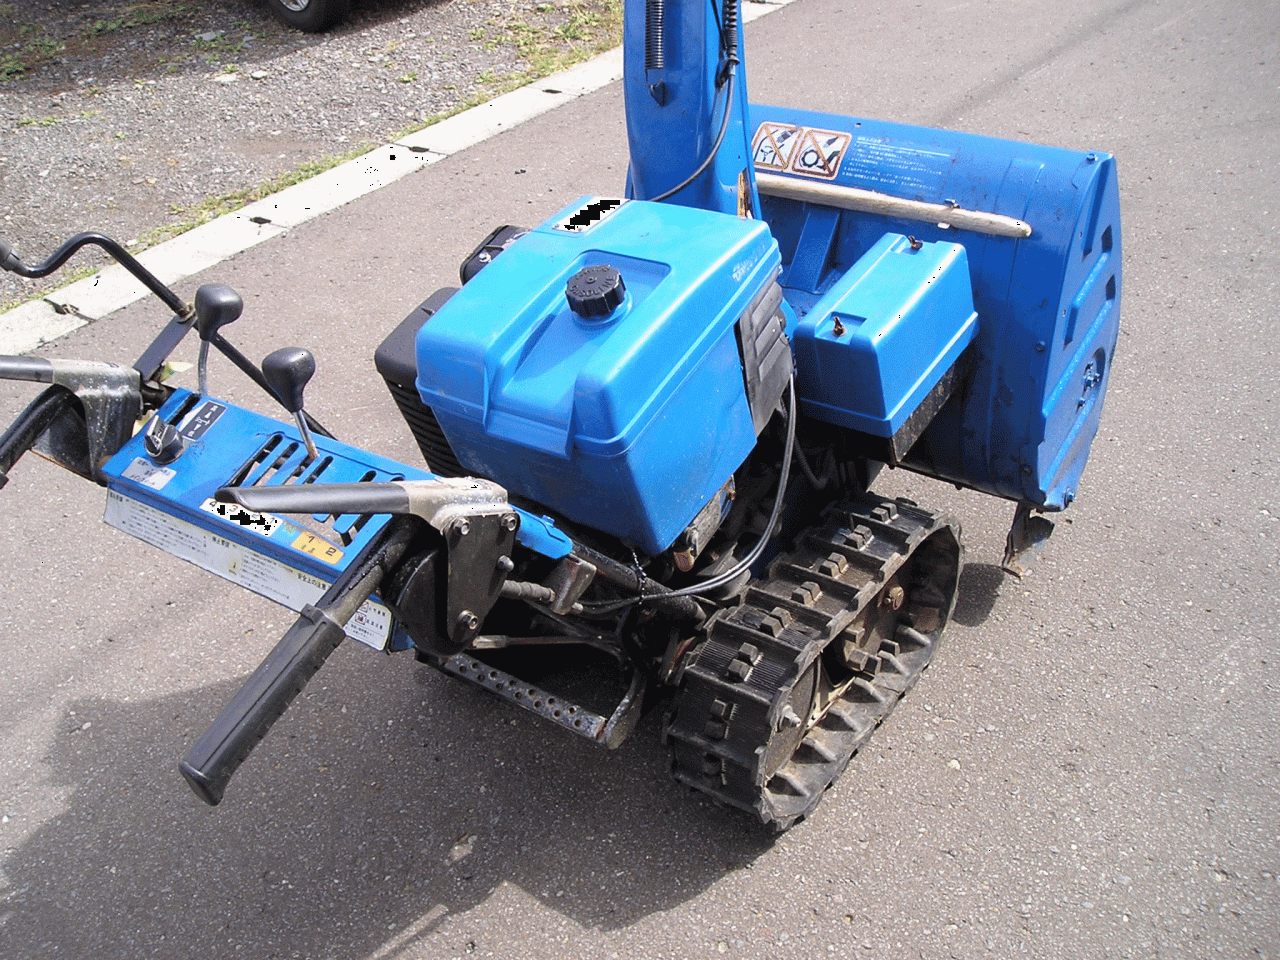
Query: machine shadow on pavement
[978, 592]
[359, 826]
[406, 824]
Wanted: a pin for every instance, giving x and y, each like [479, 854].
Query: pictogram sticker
[819, 152]
[773, 145]
[197, 424]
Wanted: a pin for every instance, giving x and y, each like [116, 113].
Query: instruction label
[148, 474]
[197, 424]
[232, 561]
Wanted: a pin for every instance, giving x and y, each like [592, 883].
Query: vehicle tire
[311, 16]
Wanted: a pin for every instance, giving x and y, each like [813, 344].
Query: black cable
[720, 579]
[728, 31]
[745, 563]
[715, 147]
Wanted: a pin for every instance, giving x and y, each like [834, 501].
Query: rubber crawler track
[735, 709]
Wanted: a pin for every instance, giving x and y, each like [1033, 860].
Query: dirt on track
[140, 118]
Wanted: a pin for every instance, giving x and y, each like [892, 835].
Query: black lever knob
[288, 371]
[216, 305]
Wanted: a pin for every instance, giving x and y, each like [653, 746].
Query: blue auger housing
[1048, 305]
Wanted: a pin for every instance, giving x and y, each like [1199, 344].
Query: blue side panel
[881, 337]
[225, 445]
[1048, 306]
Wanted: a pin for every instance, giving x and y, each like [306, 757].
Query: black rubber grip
[30, 424]
[215, 757]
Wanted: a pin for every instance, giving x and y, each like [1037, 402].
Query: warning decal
[806, 151]
[819, 153]
[233, 561]
[773, 145]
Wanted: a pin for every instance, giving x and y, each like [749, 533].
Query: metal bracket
[478, 543]
[608, 731]
[111, 398]
[1027, 535]
[472, 516]
[569, 580]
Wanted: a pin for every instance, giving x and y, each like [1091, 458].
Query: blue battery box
[874, 345]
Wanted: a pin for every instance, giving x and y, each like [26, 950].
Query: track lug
[874, 585]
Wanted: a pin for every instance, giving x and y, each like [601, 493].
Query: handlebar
[13, 263]
[30, 424]
[301, 652]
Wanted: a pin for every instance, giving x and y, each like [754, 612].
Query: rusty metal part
[608, 731]
[569, 580]
[1027, 536]
[634, 581]
[871, 201]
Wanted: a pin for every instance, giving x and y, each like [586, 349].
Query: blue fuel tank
[1048, 305]
[624, 410]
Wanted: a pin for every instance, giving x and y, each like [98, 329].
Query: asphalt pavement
[1090, 768]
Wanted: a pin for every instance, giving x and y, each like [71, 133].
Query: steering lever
[216, 305]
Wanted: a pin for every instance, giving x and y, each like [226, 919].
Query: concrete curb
[59, 312]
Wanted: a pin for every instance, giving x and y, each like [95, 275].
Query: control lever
[11, 262]
[26, 430]
[287, 372]
[301, 652]
[216, 305]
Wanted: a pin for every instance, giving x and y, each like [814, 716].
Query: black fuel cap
[595, 291]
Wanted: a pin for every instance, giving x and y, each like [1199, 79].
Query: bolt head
[894, 597]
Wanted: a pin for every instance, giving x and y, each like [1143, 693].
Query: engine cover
[626, 411]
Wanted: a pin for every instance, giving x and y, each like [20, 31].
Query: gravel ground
[136, 117]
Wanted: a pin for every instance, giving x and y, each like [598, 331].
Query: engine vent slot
[282, 461]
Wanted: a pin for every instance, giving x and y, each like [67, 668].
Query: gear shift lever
[287, 372]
